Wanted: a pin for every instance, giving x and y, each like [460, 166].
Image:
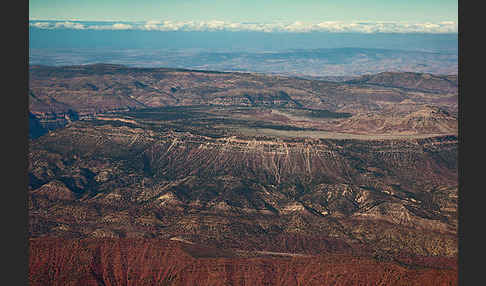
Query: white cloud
[116, 26]
[70, 25]
[120, 26]
[297, 26]
[452, 23]
[40, 25]
[216, 25]
[152, 25]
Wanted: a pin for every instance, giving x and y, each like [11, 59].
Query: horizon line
[365, 27]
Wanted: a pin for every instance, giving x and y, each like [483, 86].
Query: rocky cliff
[165, 262]
[120, 181]
[162, 176]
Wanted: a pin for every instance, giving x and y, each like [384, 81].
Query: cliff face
[35, 127]
[161, 262]
[129, 182]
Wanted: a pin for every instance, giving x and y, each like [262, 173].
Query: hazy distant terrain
[302, 62]
[296, 54]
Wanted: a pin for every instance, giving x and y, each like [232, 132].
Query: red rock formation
[55, 261]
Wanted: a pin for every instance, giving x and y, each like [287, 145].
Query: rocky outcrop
[234, 191]
[55, 93]
[55, 261]
[412, 81]
[36, 129]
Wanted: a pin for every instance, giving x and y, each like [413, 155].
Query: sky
[304, 15]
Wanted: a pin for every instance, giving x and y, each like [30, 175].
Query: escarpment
[136, 182]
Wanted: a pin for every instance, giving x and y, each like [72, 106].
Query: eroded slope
[124, 181]
[402, 101]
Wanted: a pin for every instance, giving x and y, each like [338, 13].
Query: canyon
[168, 176]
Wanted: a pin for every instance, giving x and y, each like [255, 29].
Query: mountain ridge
[58, 93]
[162, 171]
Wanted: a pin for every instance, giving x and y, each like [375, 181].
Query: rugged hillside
[401, 119]
[122, 181]
[59, 94]
[219, 175]
[412, 81]
[36, 128]
[165, 262]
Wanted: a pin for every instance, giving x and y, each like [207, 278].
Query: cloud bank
[217, 25]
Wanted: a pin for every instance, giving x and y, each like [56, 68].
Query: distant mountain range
[330, 63]
[313, 54]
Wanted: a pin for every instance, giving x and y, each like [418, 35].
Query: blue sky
[257, 11]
